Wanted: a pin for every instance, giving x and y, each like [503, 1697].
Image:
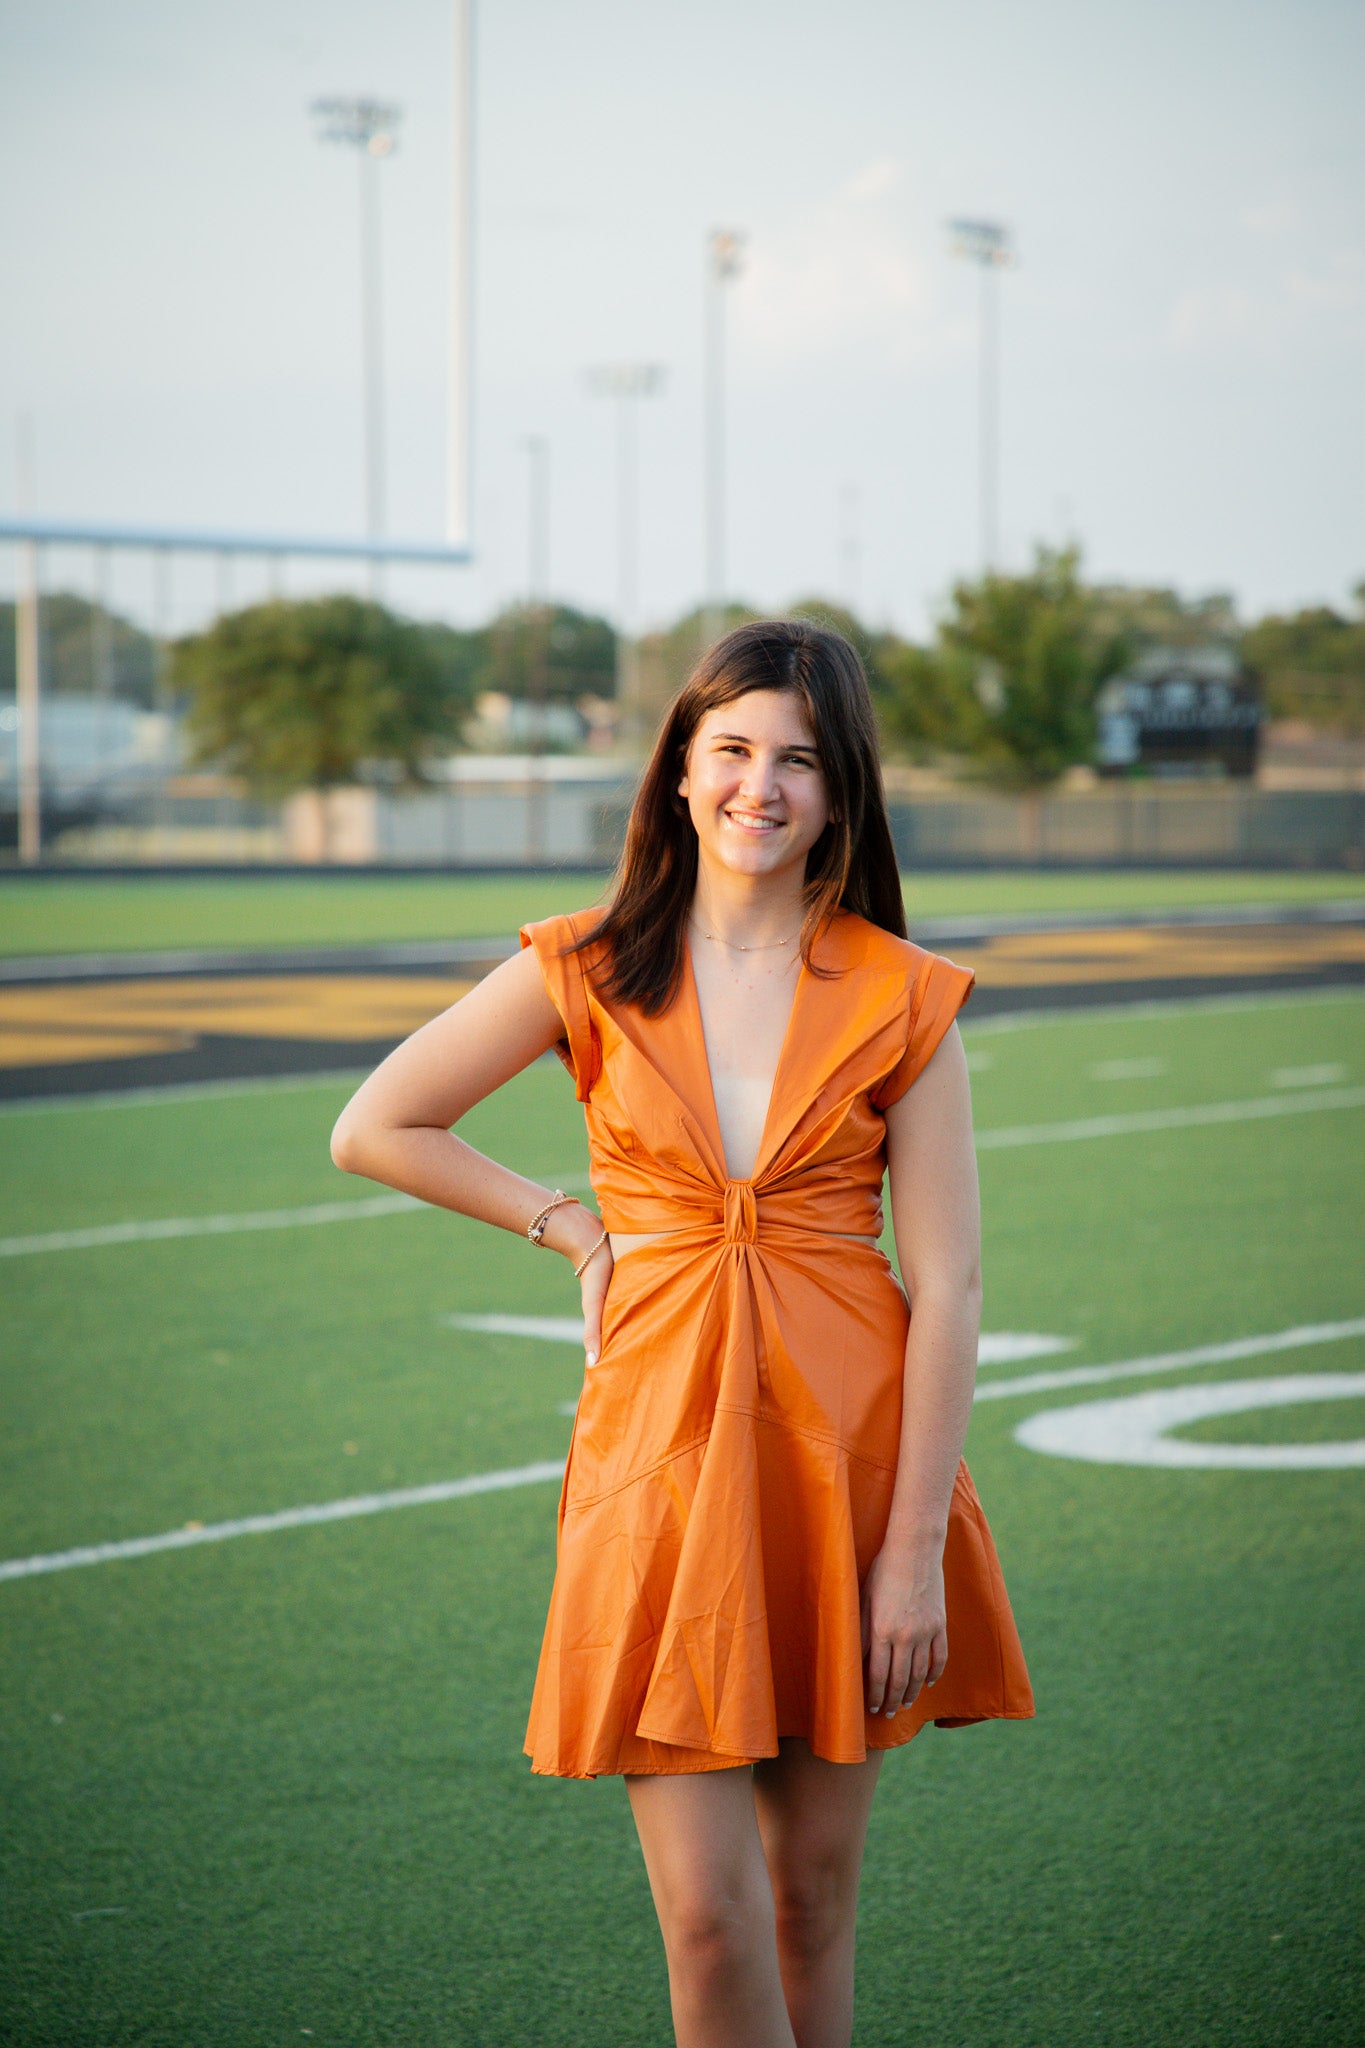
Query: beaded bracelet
[580, 1270]
[535, 1229]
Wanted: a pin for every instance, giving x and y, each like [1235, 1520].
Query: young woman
[772, 1564]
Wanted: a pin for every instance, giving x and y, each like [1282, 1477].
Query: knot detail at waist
[741, 1212]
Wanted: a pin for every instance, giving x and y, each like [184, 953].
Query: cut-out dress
[734, 1448]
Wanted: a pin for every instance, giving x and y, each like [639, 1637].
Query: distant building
[1180, 711]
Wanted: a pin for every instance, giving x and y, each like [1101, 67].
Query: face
[754, 785]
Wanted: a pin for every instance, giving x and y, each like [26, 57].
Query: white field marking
[529, 1475]
[1174, 1361]
[204, 1091]
[1121, 1124]
[224, 1226]
[1142, 1069]
[1323, 1075]
[287, 1518]
[183, 1091]
[209, 1226]
[1129, 1122]
[978, 1062]
[1004, 1347]
[1133, 1430]
[1157, 1007]
[557, 1329]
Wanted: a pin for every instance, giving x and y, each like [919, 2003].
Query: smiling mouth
[753, 821]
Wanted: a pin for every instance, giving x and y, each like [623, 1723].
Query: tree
[84, 646]
[1013, 675]
[301, 695]
[1313, 665]
[566, 653]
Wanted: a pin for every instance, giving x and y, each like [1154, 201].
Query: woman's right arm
[396, 1127]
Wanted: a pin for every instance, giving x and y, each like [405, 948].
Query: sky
[1182, 338]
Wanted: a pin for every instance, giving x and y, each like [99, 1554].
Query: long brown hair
[852, 865]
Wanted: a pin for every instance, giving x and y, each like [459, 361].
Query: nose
[758, 784]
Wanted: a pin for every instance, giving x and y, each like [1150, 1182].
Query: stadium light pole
[537, 632]
[626, 383]
[460, 367]
[724, 259]
[987, 244]
[28, 667]
[367, 126]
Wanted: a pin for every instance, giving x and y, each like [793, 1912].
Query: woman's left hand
[905, 1628]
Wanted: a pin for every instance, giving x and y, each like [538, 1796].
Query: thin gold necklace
[769, 945]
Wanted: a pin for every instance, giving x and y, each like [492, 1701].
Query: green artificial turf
[84, 914]
[271, 1790]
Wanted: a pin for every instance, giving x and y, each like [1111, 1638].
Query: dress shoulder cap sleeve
[566, 982]
[939, 989]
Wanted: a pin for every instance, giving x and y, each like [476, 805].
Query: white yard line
[1126, 1123]
[1122, 1124]
[1173, 1361]
[191, 1535]
[288, 1518]
[208, 1226]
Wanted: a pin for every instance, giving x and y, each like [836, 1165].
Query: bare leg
[714, 1900]
[813, 1819]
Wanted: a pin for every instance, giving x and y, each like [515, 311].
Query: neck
[749, 910]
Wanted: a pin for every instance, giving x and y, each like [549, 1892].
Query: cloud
[856, 271]
[1323, 302]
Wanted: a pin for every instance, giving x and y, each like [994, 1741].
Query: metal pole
[28, 703]
[990, 417]
[28, 666]
[538, 634]
[100, 651]
[372, 343]
[627, 538]
[722, 263]
[987, 243]
[460, 417]
[849, 545]
[714, 454]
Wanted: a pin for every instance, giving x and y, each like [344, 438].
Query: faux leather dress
[734, 1448]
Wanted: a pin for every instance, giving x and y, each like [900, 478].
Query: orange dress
[735, 1447]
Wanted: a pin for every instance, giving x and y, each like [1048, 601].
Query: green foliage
[299, 695]
[1313, 665]
[1012, 678]
[84, 647]
[551, 649]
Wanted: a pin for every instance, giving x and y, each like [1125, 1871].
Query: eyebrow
[793, 746]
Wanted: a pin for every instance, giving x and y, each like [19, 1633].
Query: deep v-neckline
[779, 1073]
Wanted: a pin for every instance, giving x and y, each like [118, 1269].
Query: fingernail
[592, 1358]
[891, 1713]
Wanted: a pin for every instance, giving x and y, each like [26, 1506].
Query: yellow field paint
[1163, 953]
[117, 1019]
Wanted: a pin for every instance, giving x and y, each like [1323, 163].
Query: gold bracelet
[579, 1271]
[535, 1229]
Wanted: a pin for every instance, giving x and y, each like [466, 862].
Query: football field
[263, 1773]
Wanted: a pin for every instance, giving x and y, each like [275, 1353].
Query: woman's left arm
[936, 1215]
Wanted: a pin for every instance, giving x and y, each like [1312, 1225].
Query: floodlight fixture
[982, 241]
[364, 123]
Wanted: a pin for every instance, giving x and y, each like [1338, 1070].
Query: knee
[815, 1911]
[711, 1937]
